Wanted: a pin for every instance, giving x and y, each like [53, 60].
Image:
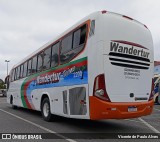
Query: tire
[45, 110]
[11, 102]
[158, 99]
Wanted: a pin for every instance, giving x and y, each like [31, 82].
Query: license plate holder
[132, 109]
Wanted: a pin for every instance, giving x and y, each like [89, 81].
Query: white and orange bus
[100, 68]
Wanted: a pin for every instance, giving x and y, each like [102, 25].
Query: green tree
[2, 84]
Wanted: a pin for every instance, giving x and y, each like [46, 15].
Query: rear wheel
[45, 110]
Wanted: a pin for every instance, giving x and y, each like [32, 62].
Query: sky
[26, 25]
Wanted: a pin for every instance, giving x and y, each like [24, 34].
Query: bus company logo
[129, 55]
[116, 47]
[54, 77]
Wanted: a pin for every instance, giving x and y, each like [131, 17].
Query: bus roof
[91, 16]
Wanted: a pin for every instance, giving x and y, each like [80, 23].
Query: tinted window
[29, 67]
[34, 64]
[25, 70]
[79, 37]
[83, 34]
[67, 44]
[40, 62]
[55, 54]
[13, 73]
[18, 73]
[47, 58]
[21, 73]
[76, 40]
[92, 28]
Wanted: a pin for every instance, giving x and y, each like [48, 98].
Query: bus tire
[11, 102]
[45, 110]
[158, 100]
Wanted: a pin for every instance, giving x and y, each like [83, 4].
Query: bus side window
[18, 72]
[83, 34]
[47, 58]
[92, 28]
[25, 69]
[66, 47]
[29, 67]
[40, 62]
[21, 73]
[12, 75]
[34, 64]
[15, 74]
[55, 55]
[79, 38]
[69, 51]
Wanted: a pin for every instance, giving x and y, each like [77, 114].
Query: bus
[156, 88]
[100, 68]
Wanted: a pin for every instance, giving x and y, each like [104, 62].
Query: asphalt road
[72, 130]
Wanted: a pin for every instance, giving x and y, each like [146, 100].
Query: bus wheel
[45, 110]
[158, 99]
[11, 102]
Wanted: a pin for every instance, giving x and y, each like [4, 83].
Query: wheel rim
[46, 109]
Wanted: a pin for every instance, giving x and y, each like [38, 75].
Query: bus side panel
[55, 96]
[78, 101]
[15, 92]
[95, 58]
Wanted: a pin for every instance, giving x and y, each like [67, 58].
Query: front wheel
[45, 110]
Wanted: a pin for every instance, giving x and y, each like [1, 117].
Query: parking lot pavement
[26, 121]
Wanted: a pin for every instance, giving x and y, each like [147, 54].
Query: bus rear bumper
[100, 109]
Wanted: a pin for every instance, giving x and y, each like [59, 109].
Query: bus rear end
[123, 87]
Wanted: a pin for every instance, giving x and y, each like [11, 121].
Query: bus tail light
[152, 93]
[100, 88]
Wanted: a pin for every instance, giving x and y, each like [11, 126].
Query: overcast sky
[25, 25]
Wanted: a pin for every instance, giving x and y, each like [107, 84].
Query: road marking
[156, 109]
[149, 126]
[39, 126]
[133, 120]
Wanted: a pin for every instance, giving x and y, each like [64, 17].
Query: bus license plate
[132, 108]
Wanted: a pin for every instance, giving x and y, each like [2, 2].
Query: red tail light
[152, 93]
[99, 89]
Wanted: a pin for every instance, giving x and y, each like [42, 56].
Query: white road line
[133, 120]
[149, 126]
[156, 109]
[39, 126]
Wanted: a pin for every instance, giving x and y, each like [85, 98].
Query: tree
[2, 84]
